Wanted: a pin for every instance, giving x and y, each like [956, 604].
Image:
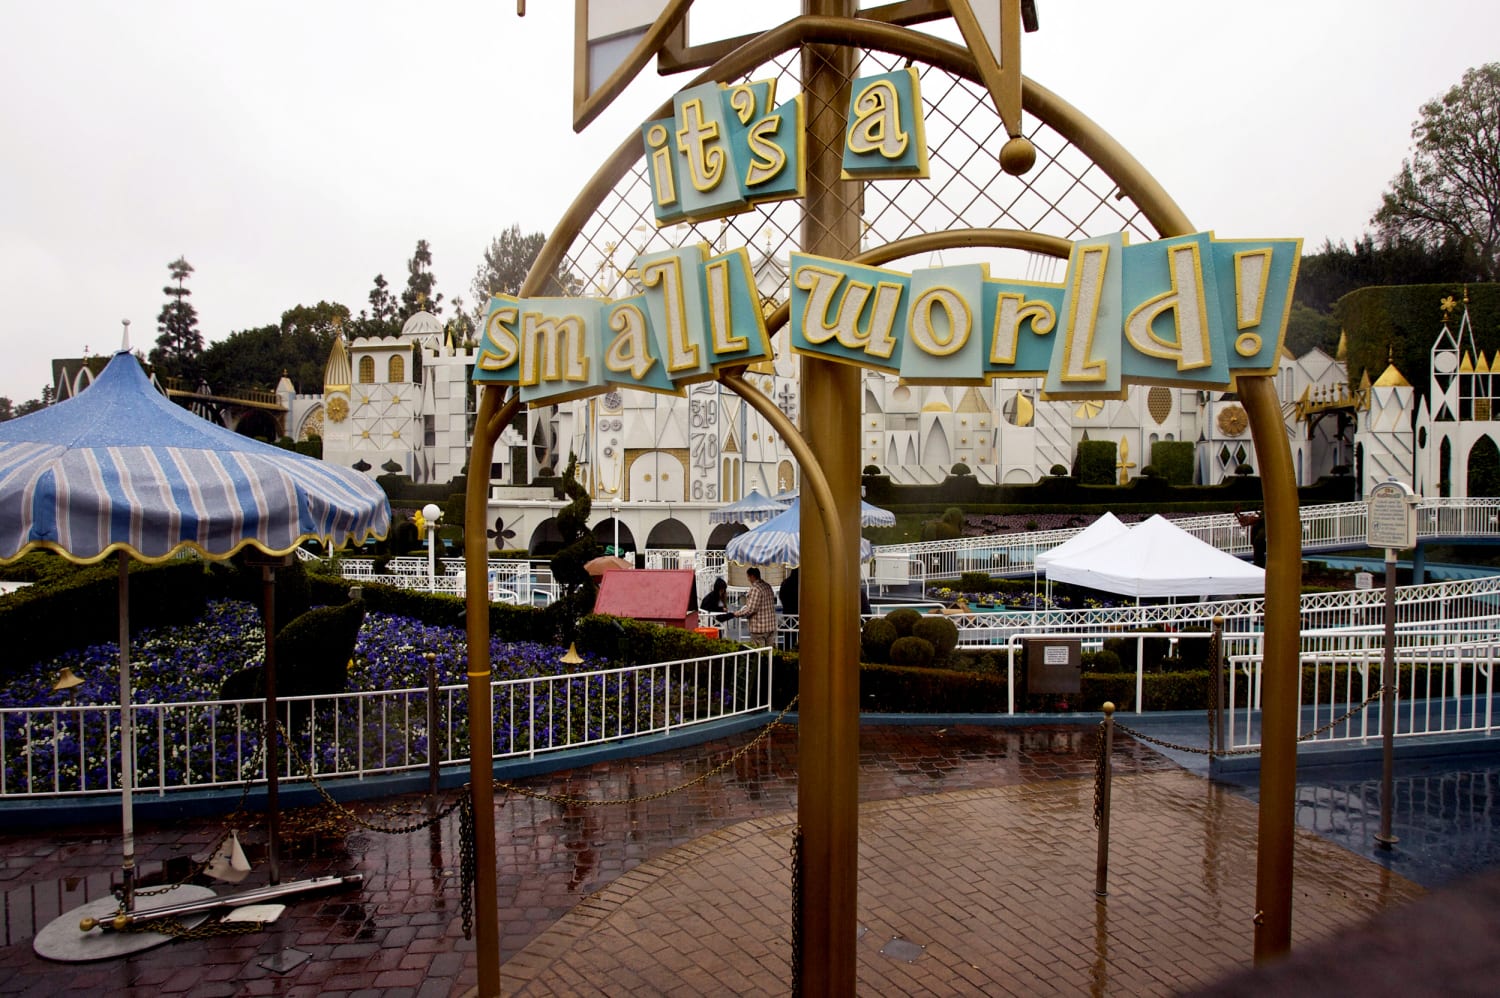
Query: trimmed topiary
[912, 652]
[960, 469]
[903, 620]
[940, 632]
[875, 639]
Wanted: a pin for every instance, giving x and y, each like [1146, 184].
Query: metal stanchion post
[433, 757]
[1216, 733]
[1385, 838]
[1106, 768]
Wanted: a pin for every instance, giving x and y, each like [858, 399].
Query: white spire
[125, 337]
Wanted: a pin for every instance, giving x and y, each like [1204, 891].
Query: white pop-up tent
[1157, 558]
[1106, 528]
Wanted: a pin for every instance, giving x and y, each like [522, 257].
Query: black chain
[468, 872]
[797, 910]
[1100, 762]
[1193, 749]
[659, 794]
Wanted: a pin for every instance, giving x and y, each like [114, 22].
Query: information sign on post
[1392, 518]
[1391, 523]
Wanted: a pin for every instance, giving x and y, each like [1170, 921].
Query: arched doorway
[671, 533]
[1483, 473]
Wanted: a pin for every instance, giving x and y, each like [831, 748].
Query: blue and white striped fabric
[754, 508]
[870, 515]
[778, 541]
[120, 467]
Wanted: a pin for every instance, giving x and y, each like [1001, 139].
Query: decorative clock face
[338, 409]
[1232, 420]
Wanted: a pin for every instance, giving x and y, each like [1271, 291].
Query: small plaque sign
[1364, 580]
[1391, 521]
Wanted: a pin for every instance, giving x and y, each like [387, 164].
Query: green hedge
[1174, 459]
[1096, 462]
[70, 606]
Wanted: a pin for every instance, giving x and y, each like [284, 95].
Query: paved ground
[976, 868]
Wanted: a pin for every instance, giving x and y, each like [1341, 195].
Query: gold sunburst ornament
[338, 409]
[1233, 420]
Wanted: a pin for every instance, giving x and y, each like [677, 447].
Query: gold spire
[1341, 352]
[1390, 378]
[337, 375]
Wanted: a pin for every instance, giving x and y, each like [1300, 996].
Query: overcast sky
[292, 150]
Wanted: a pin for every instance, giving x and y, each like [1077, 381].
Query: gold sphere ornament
[1017, 156]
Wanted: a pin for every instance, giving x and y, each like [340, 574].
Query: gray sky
[291, 151]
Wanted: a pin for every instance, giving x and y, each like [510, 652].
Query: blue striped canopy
[121, 468]
[778, 541]
[754, 508]
[870, 515]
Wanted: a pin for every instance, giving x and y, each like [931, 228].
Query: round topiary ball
[903, 620]
[913, 652]
[940, 632]
[875, 639]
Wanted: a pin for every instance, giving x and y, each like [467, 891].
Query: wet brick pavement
[976, 844]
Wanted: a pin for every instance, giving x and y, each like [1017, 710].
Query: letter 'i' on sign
[723, 150]
[885, 135]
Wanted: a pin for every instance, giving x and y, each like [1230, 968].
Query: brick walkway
[976, 845]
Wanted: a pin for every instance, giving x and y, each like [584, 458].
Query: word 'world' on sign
[1191, 311]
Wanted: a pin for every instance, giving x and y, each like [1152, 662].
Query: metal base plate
[62, 940]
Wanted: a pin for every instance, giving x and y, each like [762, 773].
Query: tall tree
[506, 264]
[179, 343]
[1449, 190]
[420, 284]
[379, 320]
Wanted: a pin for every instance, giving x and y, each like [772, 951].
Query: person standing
[760, 608]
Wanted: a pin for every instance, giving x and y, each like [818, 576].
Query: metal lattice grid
[1065, 194]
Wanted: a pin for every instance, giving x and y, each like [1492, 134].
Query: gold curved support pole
[495, 411]
[812, 473]
[1279, 685]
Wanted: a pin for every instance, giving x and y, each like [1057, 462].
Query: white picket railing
[74, 750]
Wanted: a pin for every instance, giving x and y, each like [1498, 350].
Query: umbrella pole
[127, 742]
[270, 730]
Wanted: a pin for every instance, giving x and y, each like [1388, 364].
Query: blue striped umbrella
[754, 508]
[778, 541]
[120, 469]
[870, 515]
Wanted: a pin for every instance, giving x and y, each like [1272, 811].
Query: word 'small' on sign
[1190, 311]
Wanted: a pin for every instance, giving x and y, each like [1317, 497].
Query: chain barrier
[1101, 760]
[659, 794]
[1195, 750]
[796, 852]
[208, 930]
[229, 828]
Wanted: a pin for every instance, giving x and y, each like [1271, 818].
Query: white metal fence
[74, 750]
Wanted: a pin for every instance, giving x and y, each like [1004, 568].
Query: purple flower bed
[54, 750]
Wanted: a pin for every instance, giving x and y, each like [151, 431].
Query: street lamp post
[614, 512]
[431, 514]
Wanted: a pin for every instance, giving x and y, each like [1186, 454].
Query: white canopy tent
[1157, 558]
[1106, 528]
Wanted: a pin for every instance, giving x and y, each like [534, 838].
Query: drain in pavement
[902, 949]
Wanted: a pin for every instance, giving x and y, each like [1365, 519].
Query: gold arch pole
[495, 411]
[830, 413]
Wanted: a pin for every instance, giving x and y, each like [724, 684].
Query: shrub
[912, 652]
[1244, 469]
[313, 651]
[976, 582]
[903, 620]
[1174, 459]
[875, 639]
[1096, 462]
[1059, 471]
[1102, 660]
[940, 632]
[871, 469]
[954, 516]
[960, 469]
